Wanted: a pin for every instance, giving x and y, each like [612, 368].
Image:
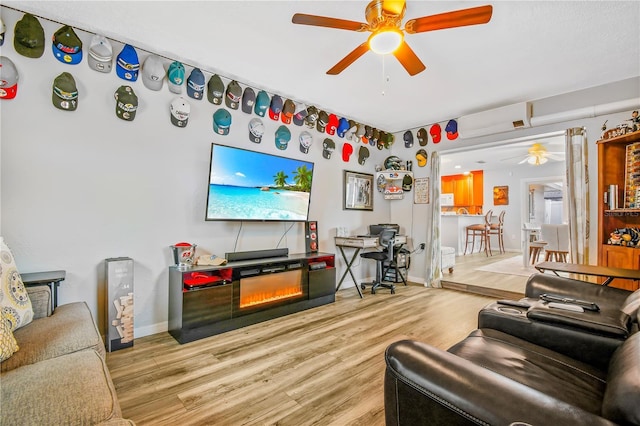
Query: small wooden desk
[50, 278]
[359, 242]
[597, 271]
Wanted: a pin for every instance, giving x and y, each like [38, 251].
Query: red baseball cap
[347, 150]
[332, 125]
[436, 133]
[275, 108]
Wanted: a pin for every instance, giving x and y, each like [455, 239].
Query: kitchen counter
[453, 232]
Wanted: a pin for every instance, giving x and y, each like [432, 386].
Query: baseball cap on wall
[67, 46]
[65, 92]
[423, 137]
[328, 146]
[452, 130]
[126, 103]
[195, 84]
[256, 130]
[332, 124]
[262, 103]
[153, 72]
[248, 100]
[275, 108]
[175, 77]
[8, 78]
[323, 120]
[234, 94]
[421, 156]
[28, 37]
[312, 117]
[408, 139]
[436, 133]
[299, 114]
[215, 90]
[287, 111]
[343, 126]
[127, 63]
[347, 150]
[180, 110]
[100, 54]
[363, 154]
[221, 121]
[306, 140]
[283, 136]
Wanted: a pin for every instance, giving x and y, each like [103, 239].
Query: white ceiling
[529, 50]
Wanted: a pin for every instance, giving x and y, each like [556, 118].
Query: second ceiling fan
[384, 20]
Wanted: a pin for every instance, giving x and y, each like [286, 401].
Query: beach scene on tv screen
[248, 185]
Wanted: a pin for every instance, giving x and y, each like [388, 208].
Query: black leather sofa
[497, 378]
[587, 336]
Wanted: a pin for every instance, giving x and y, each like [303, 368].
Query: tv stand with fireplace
[209, 300]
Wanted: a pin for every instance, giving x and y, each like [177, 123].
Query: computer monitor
[377, 229]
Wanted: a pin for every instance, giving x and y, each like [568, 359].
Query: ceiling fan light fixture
[536, 160]
[385, 41]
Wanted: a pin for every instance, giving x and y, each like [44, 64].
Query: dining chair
[479, 230]
[497, 228]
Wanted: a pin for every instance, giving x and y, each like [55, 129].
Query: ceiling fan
[384, 19]
[537, 154]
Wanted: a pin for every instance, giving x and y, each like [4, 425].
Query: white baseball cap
[100, 54]
[153, 72]
[180, 110]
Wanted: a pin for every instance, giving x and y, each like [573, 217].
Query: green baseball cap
[126, 103]
[65, 92]
[215, 90]
[28, 37]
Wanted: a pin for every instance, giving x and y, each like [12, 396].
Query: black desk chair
[385, 260]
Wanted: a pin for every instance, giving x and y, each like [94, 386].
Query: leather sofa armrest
[538, 284]
[607, 322]
[426, 385]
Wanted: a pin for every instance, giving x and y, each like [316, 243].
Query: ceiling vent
[499, 120]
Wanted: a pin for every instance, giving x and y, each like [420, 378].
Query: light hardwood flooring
[465, 277]
[323, 366]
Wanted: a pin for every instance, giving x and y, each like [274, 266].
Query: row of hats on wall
[435, 131]
[67, 48]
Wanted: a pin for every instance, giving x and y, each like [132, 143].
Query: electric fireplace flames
[270, 288]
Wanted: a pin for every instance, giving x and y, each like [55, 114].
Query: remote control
[590, 306]
[566, 307]
[514, 303]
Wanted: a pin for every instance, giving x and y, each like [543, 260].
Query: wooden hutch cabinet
[612, 170]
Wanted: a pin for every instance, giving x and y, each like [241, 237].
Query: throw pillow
[8, 344]
[14, 299]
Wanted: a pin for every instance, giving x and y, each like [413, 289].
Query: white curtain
[433, 275]
[577, 194]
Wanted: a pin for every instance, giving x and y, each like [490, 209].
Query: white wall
[82, 186]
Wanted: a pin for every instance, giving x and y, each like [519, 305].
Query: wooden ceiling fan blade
[458, 18]
[349, 59]
[394, 7]
[323, 21]
[409, 59]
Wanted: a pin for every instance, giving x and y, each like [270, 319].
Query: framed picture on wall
[500, 195]
[358, 191]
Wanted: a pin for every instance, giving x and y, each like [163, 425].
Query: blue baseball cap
[275, 108]
[262, 103]
[195, 84]
[67, 46]
[127, 63]
[221, 121]
[283, 136]
[248, 100]
[343, 126]
[175, 77]
[452, 129]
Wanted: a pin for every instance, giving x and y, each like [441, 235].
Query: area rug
[511, 266]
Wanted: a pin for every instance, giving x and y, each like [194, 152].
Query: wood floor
[466, 277]
[323, 366]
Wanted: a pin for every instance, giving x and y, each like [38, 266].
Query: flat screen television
[255, 186]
